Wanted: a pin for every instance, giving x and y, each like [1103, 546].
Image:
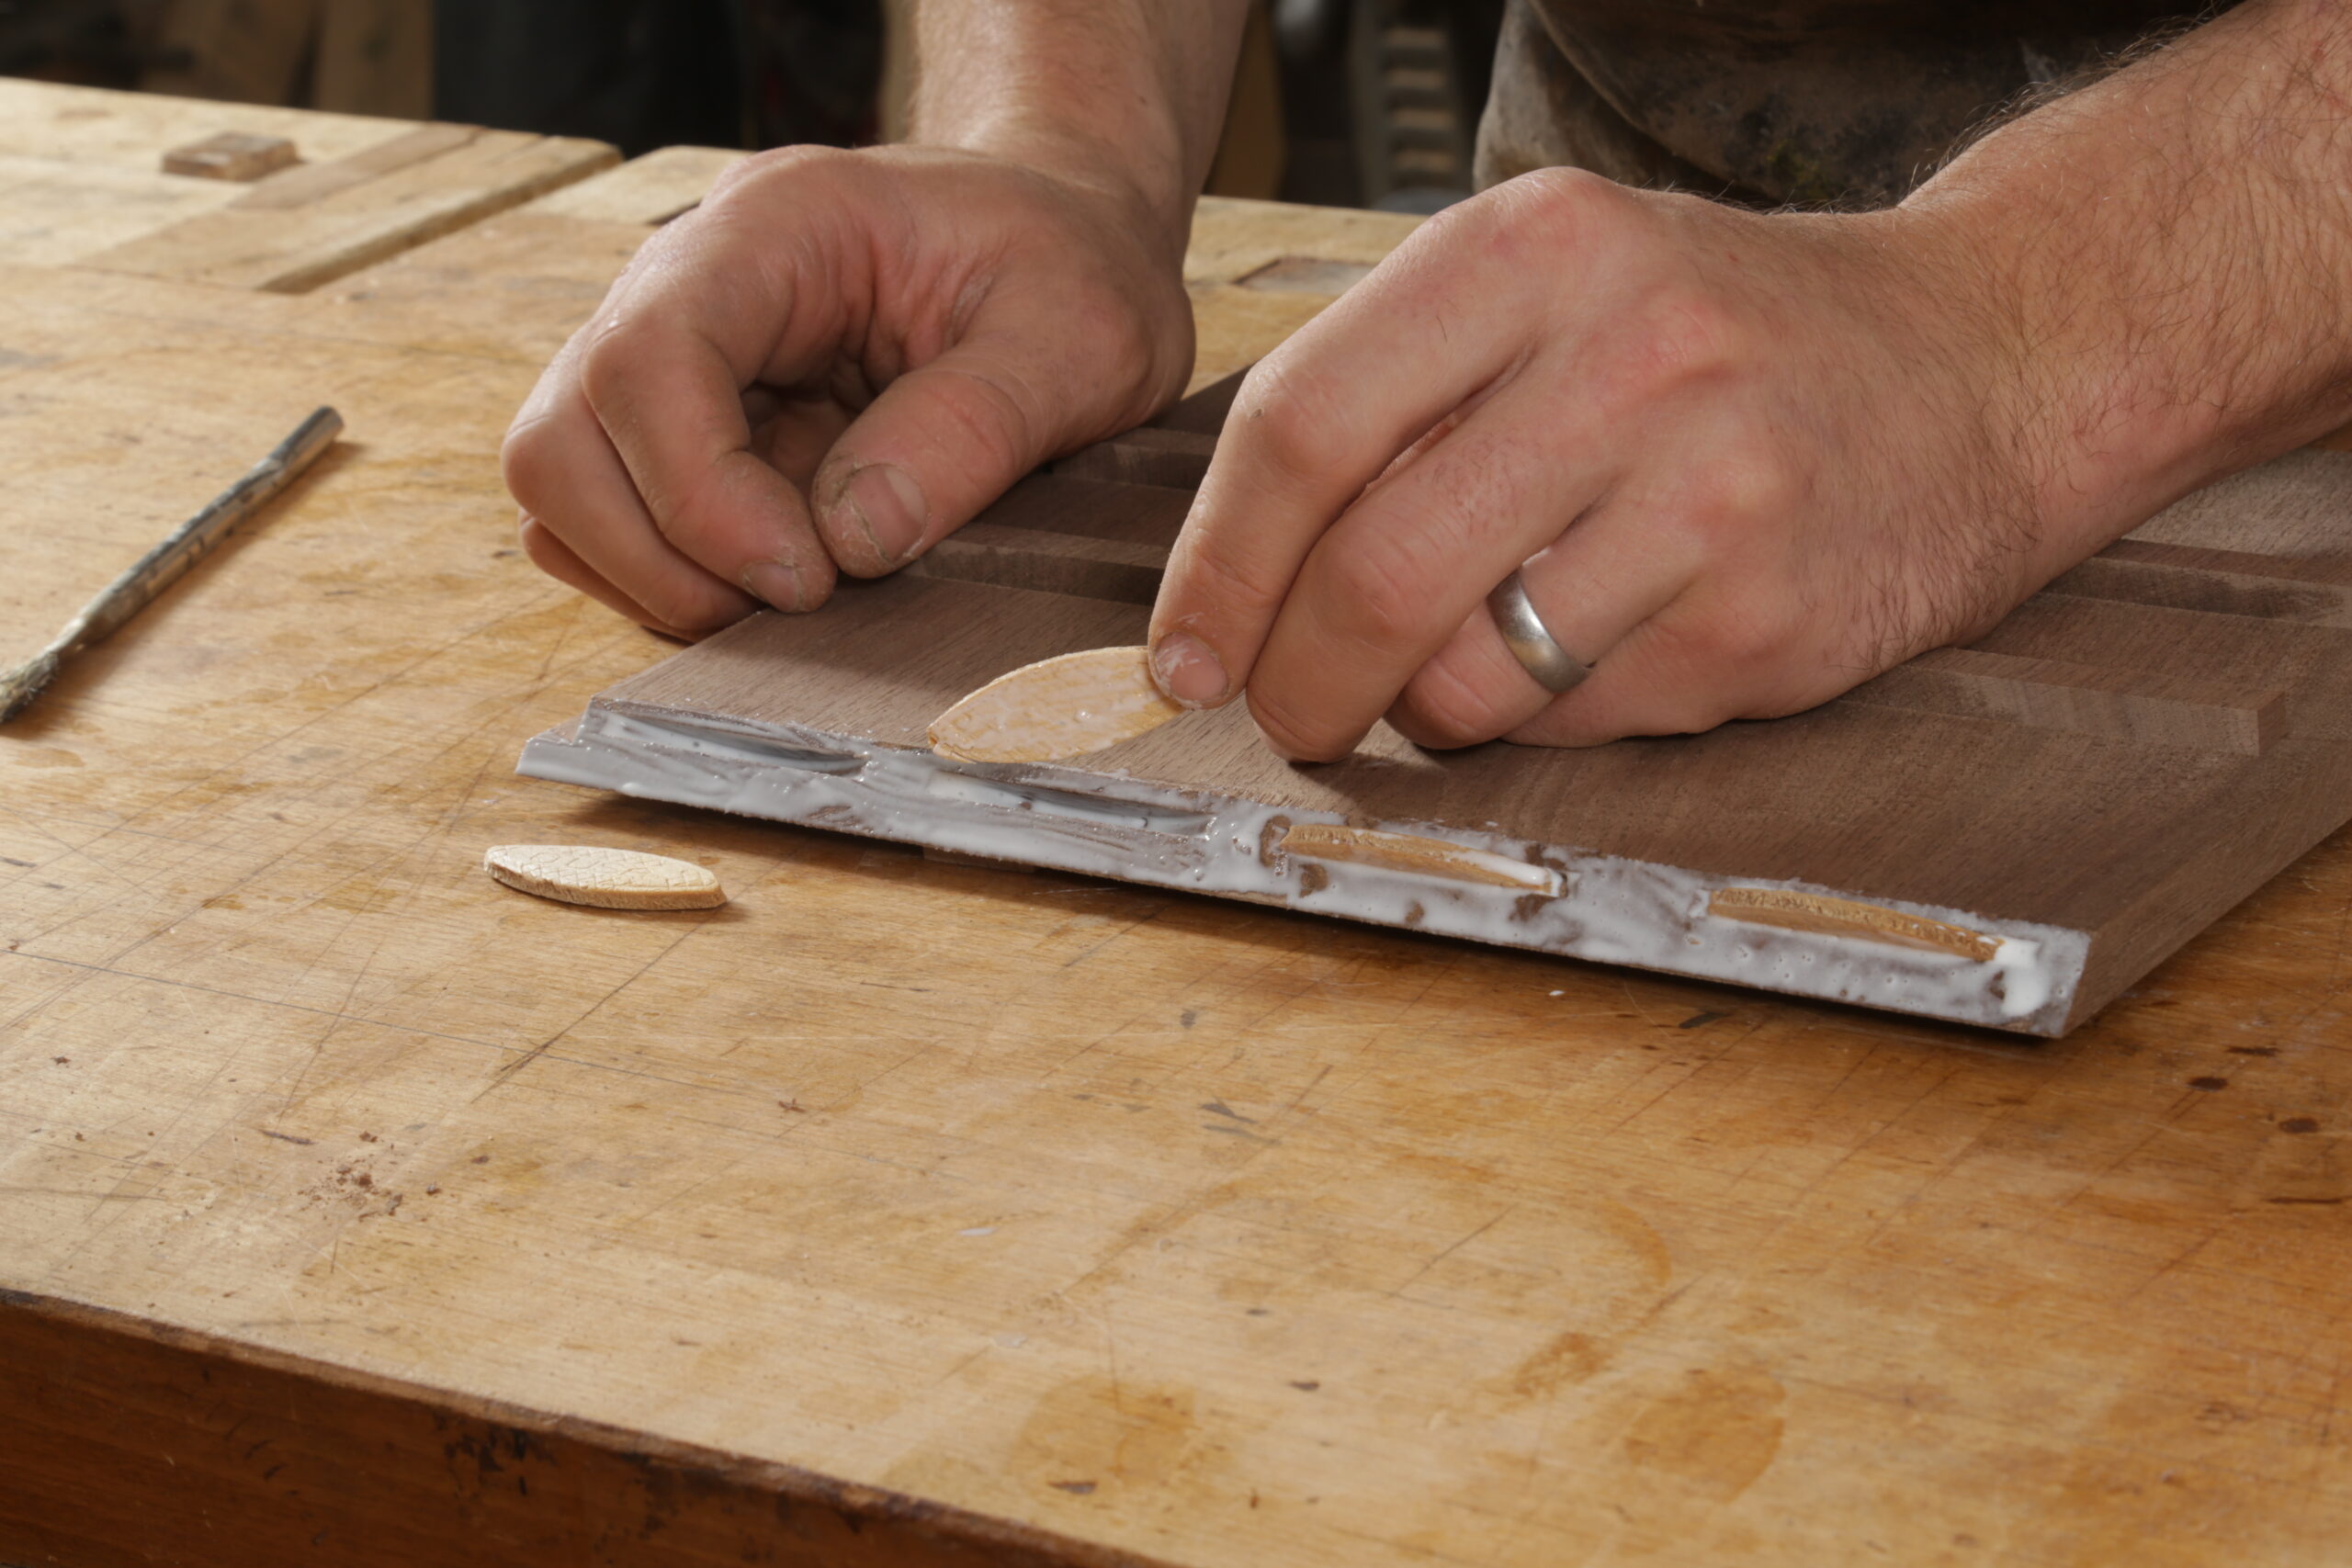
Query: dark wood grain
[1204, 412]
[1052, 563]
[2187, 580]
[2090, 699]
[1144, 457]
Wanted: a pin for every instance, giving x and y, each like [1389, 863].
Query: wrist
[1121, 98]
[1145, 195]
[2155, 275]
[2086, 428]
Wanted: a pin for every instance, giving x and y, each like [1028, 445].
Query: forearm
[1126, 92]
[2163, 263]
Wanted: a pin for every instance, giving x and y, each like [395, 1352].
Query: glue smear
[1601, 907]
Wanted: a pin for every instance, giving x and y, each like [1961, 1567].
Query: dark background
[1315, 120]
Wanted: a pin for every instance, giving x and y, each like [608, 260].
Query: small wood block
[321, 182]
[1795, 911]
[232, 155]
[603, 878]
[311, 225]
[2049, 694]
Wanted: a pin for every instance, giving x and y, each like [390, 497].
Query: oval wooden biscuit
[602, 878]
[1056, 707]
[1417, 853]
[1792, 910]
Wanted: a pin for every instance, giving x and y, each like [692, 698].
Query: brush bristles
[19, 686]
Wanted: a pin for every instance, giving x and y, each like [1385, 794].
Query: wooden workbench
[356, 1210]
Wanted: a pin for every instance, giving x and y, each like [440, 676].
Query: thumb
[940, 443]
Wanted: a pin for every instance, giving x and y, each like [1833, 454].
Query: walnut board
[2007, 834]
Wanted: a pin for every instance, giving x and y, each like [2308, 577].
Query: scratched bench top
[905, 1211]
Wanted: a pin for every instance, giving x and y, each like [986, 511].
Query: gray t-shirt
[1843, 102]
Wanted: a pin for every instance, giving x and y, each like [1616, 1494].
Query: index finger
[1315, 421]
[665, 368]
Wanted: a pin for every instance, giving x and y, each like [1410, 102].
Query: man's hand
[1744, 460]
[1750, 461]
[837, 359]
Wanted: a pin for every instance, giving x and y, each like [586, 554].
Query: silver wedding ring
[1531, 641]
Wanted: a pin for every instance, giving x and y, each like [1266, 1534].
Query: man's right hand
[837, 359]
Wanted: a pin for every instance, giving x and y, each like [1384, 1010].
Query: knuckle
[615, 347]
[1573, 194]
[540, 544]
[1569, 726]
[1740, 494]
[1700, 664]
[1445, 710]
[778, 163]
[1687, 653]
[1497, 236]
[1752, 636]
[1289, 732]
[1755, 482]
[1150, 354]
[1670, 700]
[1551, 210]
[1682, 335]
[995, 415]
[1211, 578]
[1383, 590]
[1293, 419]
[1691, 714]
[1484, 217]
[695, 516]
[527, 461]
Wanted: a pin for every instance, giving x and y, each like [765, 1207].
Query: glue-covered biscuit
[1056, 707]
[606, 879]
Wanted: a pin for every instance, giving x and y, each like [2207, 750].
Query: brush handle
[169, 560]
[193, 539]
